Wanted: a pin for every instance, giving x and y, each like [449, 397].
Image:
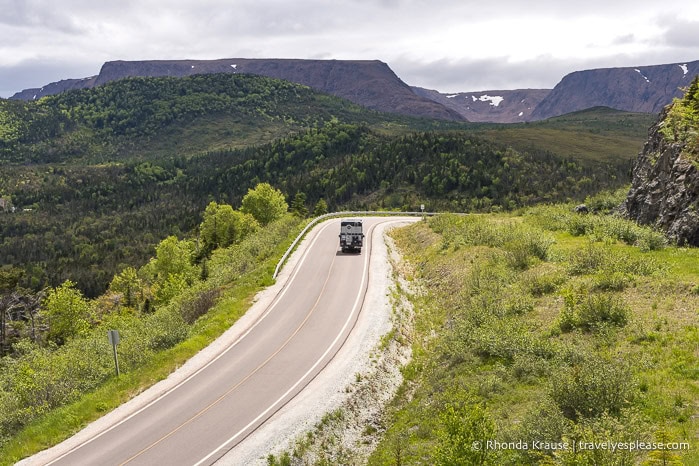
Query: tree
[298, 205]
[265, 203]
[321, 208]
[69, 313]
[223, 226]
[173, 257]
[128, 284]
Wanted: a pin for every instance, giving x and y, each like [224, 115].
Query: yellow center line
[228, 392]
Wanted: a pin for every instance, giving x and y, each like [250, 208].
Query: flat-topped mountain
[370, 83]
[645, 89]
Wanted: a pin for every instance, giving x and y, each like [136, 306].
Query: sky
[447, 45]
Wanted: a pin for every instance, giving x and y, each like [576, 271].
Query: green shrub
[588, 259]
[650, 240]
[462, 424]
[606, 200]
[592, 388]
[542, 280]
[605, 280]
[543, 422]
[589, 311]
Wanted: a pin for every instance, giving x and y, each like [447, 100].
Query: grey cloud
[477, 75]
[681, 33]
[36, 73]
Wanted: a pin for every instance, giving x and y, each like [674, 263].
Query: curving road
[207, 414]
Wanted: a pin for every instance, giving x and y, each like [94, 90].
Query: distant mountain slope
[370, 83]
[490, 106]
[644, 89]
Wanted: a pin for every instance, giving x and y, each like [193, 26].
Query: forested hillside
[92, 180]
[134, 205]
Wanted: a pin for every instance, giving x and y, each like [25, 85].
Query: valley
[161, 205]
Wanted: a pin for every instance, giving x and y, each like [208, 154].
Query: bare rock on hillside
[665, 188]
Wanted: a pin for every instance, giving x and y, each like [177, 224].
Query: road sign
[114, 339]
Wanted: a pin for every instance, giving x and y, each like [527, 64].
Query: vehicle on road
[351, 236]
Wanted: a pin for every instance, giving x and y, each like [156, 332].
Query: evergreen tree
[298, 205]
[321, 208]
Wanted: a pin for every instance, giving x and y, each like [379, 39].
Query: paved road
[205, 416]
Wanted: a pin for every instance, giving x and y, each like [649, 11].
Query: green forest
[96, 178]
[135, 203]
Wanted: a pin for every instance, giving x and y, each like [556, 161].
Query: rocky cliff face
[645, 89]
[512, 106]
[665, 188]
[370, 83]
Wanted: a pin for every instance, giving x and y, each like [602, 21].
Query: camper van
[351, 236]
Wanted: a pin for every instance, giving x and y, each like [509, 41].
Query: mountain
[665, 187]
[645, 89]
[490, 106]
[370, 83]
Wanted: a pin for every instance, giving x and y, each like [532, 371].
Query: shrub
[592, 388]
[606, 280]
[543, 280]
[544, 422]
[196, 307]
[590, 311]
[588, 259]
[650, 240]
[462, 425]
[606, 200]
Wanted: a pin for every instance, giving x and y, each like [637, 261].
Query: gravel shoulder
[330, 390]
[341, 408]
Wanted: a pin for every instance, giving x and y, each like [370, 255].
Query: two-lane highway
[206, 415]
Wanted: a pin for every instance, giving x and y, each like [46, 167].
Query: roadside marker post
[114, 338]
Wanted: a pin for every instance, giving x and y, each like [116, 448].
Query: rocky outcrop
[370, 83]
[645, 89]
[513, 106]
[55, 88]
[665, 188]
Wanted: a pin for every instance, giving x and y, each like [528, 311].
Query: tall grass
[539, 329]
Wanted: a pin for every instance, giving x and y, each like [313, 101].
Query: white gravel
[324, 394]
[331, 389]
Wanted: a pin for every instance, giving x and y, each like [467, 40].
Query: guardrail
[315, 221]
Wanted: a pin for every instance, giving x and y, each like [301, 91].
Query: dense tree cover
[86, 223]
[98, 201]
[154, 307]
[113, 120]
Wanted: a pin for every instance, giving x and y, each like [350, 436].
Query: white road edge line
[220, 355]
[292, 388]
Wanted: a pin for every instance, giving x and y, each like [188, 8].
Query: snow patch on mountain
[493, 99]
[642, 75]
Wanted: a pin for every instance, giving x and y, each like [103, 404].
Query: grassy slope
[488, 336]
[600, 135]
[241, 271]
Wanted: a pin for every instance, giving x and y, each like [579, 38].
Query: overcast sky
[451, 46]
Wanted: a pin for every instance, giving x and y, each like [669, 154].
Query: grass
[599, 135]
[61, 423]
[602, 349]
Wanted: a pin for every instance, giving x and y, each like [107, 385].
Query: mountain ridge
[373, 84]
[370, 83]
